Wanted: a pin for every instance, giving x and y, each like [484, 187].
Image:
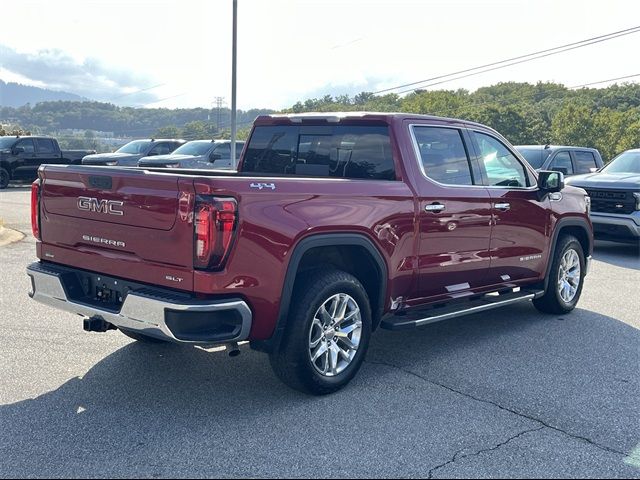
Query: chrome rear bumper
[146, 313]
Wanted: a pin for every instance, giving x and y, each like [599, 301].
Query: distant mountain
[17, 95]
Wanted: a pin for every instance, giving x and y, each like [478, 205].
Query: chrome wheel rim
[335, 335]
[569, 275]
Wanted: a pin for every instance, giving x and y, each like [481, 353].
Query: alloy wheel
[569, 275]
[335, 333]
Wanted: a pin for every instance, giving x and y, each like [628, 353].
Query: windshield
[535, 156]
[137, 146]
[627, 162]
[6, 142]
[196, 148]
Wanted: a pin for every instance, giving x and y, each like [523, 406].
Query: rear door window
[562, 161]
[45, 146]
[585, 161]
[358, 152]
[443, 155]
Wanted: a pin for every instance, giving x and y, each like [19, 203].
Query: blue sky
[289, 50]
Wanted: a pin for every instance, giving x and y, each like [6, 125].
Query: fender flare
[303, 246]
[579, 222]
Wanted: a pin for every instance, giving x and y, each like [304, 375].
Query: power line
[138, 91]
[161, 100]
[513, 61]
[508, 65]
[605, 81]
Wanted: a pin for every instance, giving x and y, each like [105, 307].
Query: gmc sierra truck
[333, 226]
[21, 156]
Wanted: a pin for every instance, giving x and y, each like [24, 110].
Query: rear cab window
[340, 151]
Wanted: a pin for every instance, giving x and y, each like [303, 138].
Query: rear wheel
[327, 334]
[141, 338]
[566, 278]
[5, 177]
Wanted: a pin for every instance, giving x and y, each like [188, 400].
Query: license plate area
[105, 292]
[97, 290]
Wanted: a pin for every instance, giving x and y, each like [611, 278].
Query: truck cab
[21, 156]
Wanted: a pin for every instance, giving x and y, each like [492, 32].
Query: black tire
[5, 178]
[140, 337]
[552, 301]
[292, 363]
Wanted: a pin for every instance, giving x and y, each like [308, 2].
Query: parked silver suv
[198, 154]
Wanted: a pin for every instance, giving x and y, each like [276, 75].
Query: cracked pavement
[510, 393]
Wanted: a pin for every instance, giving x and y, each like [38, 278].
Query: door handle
[502, 206]
[434, 207]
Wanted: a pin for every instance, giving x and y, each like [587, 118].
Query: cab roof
[337, 117]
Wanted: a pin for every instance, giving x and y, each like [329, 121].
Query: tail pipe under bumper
[156, 315]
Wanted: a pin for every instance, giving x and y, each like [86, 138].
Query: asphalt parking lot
[510, 393]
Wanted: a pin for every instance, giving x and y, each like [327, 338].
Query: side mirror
[17, 150]
[550, 181]
[593, 169]
[214, 156]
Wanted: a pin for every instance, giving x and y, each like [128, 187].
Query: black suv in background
[568, 160]
[21, 156]
[129, 154]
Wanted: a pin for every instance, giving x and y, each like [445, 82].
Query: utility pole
[234, 163]
[219, 103]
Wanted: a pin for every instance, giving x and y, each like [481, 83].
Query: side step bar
[417, 318]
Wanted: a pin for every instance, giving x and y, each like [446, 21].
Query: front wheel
[5, 178]
[327, 333]
[566, 278]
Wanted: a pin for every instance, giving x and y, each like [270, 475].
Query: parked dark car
[615, 198]
[21, 156]
[197, 154]
[333, 225]
[568, 160]
[129, 154]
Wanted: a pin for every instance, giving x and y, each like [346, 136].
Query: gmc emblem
[89, 204]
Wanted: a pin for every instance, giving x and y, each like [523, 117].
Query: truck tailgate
[118, 221]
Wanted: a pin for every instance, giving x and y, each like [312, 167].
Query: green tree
[574, 125]
[170, 131]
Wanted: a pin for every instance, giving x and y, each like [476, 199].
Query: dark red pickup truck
[333, 226]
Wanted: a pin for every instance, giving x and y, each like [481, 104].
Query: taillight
[215, 223]
[35, 209]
